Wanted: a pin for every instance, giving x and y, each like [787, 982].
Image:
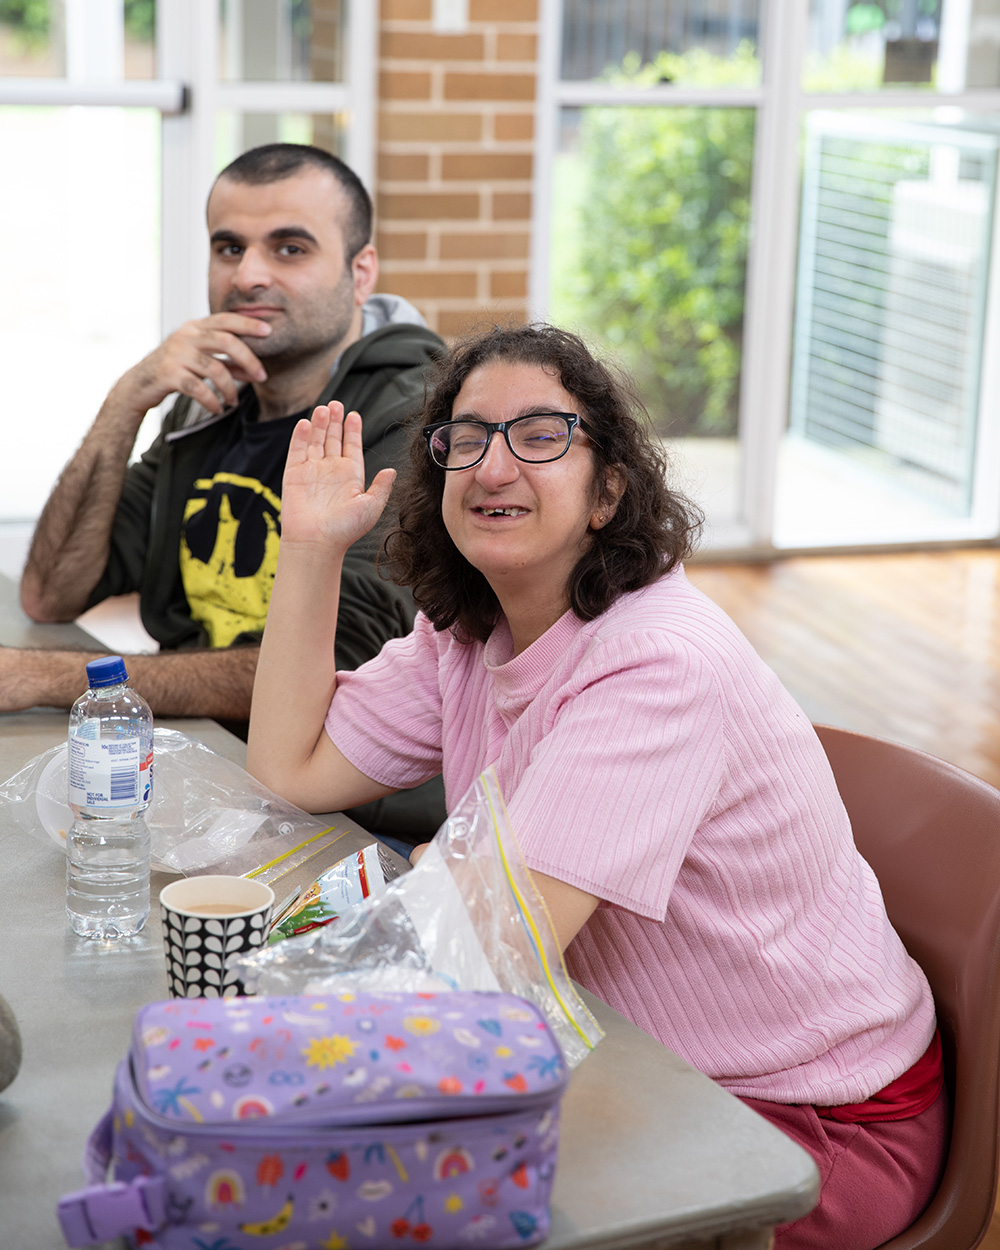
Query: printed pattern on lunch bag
[343, 1121]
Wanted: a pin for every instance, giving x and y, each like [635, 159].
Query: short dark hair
[652, 529]
[272, 162]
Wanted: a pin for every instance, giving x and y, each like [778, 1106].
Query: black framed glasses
[536, 438]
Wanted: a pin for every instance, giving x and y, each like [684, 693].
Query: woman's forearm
[296, 672]
[324, 510]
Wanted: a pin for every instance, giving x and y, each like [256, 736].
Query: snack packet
[362, 875]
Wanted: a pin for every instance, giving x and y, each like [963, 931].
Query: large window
[779, 217]
[116, 115]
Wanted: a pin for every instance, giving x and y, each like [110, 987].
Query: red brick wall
[455, 153]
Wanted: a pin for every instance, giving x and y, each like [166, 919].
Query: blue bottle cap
[108, 671]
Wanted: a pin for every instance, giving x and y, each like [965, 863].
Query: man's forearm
[175, 683]
[69, 549]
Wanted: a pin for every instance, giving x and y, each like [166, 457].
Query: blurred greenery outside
[649, 233]
[650, 225]
[31, 20]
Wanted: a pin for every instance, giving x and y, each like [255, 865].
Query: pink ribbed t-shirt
[652, 759]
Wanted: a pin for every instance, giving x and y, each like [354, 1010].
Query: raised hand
[323, 496]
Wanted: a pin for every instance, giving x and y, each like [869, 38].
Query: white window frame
[780, 104]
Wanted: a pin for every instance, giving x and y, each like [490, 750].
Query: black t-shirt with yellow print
[232, 524]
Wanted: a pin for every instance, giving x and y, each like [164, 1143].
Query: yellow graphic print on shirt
[228, 554]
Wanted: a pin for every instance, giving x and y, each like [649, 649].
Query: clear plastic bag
[207, 813]
[467, 916]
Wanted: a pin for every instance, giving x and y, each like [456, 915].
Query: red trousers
[875, 1178]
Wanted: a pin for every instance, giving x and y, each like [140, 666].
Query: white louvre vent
[891, 294]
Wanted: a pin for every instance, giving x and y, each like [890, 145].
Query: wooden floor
[902, 646]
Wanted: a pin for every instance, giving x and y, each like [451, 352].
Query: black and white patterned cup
[207, 920]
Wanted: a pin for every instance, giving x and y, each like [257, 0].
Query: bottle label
[106, 772]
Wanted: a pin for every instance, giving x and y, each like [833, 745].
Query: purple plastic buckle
[99, 1212]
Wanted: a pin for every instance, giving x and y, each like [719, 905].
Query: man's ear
[364, 268]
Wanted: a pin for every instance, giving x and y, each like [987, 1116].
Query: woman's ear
[612, 489]
[615, 481]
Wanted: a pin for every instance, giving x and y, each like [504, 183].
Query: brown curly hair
[652, 527]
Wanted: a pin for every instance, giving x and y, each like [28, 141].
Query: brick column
[453, 192]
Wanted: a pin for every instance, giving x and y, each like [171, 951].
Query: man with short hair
[194, 524]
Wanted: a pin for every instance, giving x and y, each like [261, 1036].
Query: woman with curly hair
[674, 805]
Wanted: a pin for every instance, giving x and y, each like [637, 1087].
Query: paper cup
[207, 920]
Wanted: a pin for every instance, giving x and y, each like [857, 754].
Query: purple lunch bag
[337, 1121]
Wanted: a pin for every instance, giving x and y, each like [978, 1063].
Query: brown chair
[931, 833]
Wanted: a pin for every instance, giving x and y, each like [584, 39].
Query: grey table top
[652, 1153]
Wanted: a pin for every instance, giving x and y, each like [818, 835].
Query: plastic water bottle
[110, 786]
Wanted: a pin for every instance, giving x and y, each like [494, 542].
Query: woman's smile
[500, 510]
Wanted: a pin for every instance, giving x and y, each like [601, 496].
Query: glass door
[894, 252]
[779, 216]
[892, 413]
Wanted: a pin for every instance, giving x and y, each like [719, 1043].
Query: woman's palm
[323, 496]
